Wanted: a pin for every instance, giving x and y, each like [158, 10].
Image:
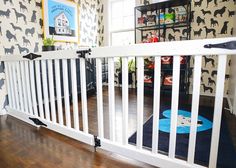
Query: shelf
[166, 26]
[162, 5]
[161, 31]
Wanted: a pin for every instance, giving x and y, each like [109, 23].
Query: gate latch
[31, 56]
[97, 142]
[231, 45]
[82, 53]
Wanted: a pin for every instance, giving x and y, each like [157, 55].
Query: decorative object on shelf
[170, 16]
[167, 80]
[162, 17]
[180, 14]
[151, 37]
[167, 60]
[61, 20]
[48, 44]
[148, 79]
[142, 20]
[183, 60]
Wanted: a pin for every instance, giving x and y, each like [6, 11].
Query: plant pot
[48, 48]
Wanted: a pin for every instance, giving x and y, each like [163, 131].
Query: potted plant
[131, 69]
[48, 44]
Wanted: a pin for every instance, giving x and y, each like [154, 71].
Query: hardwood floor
[23, 146]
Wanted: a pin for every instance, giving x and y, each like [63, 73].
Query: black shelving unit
[105, 70]
[161, 30]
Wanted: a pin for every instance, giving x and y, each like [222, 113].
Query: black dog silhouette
[215, 1]
[5, 2]
[198, 3]
[211, 82]
[5, 13]
[38, 4]
[231, 13]
[87, 3]
[93, 6]
[33, 17]
[171, 38]
[208, 1]
[208, 30]
[30, 31]
[9, 50]
[22, 7]
[192, 16]
[206, 88]
[16, 27]
[209, 60]
[205, 12]
[175, 30]
[200, 20]
[214, 23]
[19, 15]
[213, 73]
[224, 28]
[198, 33]
[26, 42]
[41, 22]
[185, 31]
[205, 71]
[10, 36]
[22, 49]
[219, 12]
[227, 77]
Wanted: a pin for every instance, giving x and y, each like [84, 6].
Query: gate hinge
[83, 53]
[97, 142]
[231, 45]
[31, 56]
[37, 122]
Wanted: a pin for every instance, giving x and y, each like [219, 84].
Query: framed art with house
[60, 20]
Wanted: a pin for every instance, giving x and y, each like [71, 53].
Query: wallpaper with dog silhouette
[210, 19]
[21, 30]
[91, 27]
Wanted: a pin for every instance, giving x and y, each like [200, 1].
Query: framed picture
[60, 20]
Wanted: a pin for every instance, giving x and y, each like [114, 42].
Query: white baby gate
[33, 87]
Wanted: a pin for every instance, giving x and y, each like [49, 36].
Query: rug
[226, 154]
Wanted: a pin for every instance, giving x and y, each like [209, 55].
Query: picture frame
[60, 20]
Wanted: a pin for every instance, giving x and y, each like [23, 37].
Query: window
[121, 22]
